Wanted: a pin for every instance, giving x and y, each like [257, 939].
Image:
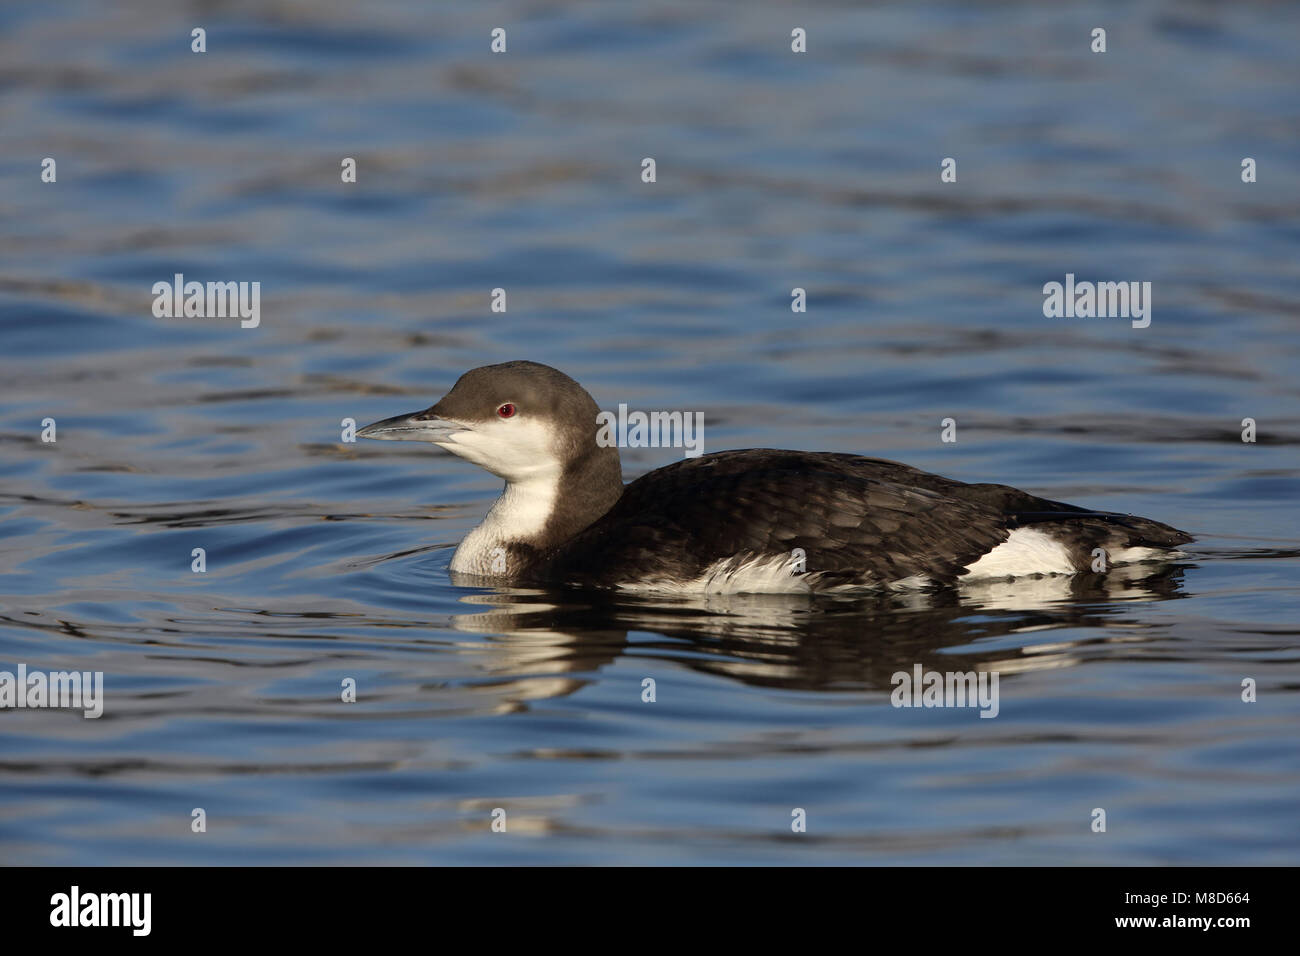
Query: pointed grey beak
[417, 426]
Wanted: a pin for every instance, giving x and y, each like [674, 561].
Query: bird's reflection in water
[550, 643]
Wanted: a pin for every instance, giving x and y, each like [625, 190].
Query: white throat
[518, 516]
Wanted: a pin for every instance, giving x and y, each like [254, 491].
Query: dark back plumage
[859, 521]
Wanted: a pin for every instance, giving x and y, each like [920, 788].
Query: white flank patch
[739, 574]
[765, 574]
[1025, 552]
[760, 574]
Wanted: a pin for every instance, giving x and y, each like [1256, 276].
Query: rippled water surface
[328, 560]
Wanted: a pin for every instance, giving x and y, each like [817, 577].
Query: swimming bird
[757, 519]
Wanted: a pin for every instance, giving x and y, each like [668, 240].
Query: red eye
[506, 411]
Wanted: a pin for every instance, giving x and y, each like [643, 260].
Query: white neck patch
[517, 449]
[518, 515]
[523, 452]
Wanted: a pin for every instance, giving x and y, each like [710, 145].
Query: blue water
[328, 560]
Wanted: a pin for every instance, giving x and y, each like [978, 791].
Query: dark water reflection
[820, 642]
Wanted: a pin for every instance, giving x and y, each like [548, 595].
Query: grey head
[530, 424]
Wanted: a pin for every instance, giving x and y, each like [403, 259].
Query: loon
[753, 520]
